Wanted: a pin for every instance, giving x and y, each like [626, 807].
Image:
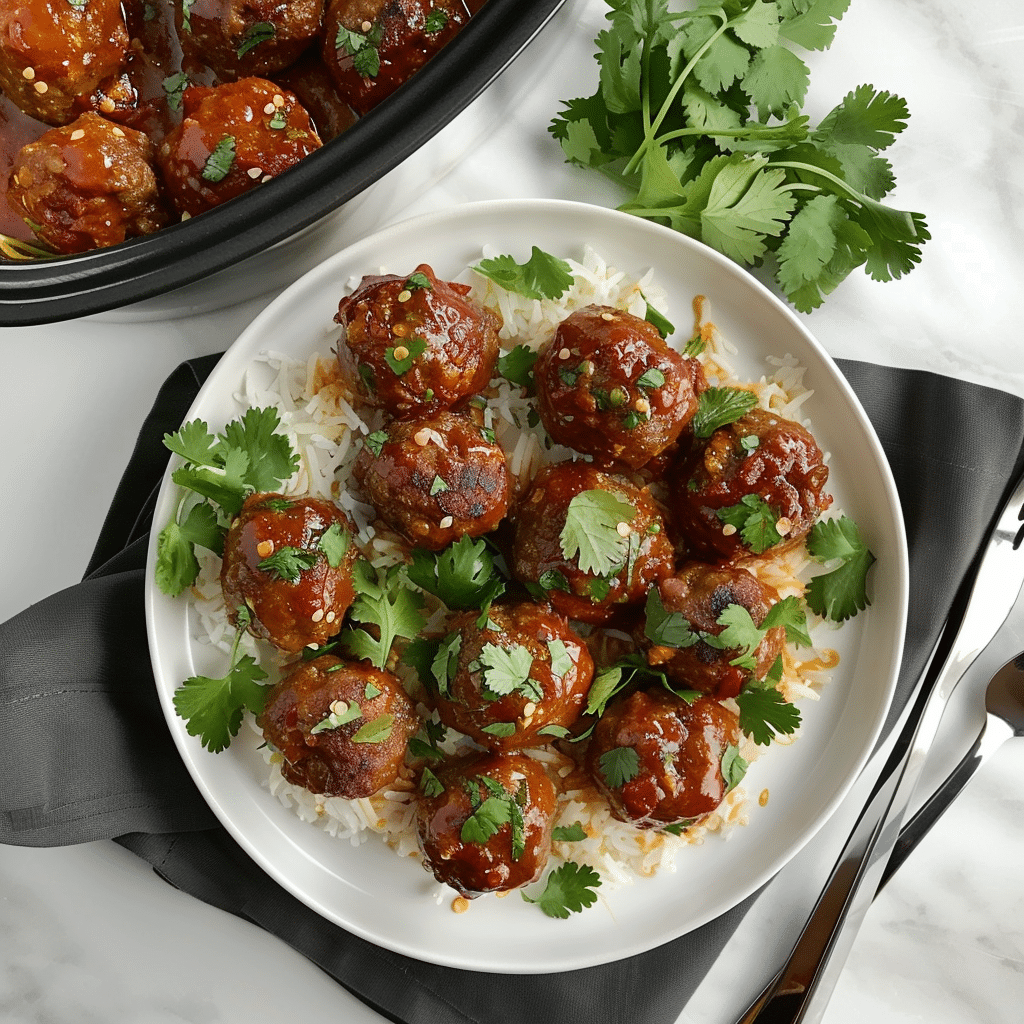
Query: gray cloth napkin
[85, 753]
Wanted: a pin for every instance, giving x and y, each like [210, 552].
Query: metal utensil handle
[919, 826]
[813, 964]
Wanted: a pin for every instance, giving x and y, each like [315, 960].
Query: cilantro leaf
[377, 730]
[573, 833]
[384, 604]
[668, 629]
[288, 563]
[591, 531]
[516, 366]
[334, 542]
[505, 669]
[719, 406]
[542, 276]
[733, 766]
[755, 520]
[220, 161]
[619, 766]
[569, 889]
[463, 575]
[838, 595]
[765, 712]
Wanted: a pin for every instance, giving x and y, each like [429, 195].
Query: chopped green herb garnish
[219, 163]
[384, 603]
[401, 357]
[516, 366]
[288, 563]
[375, 731]
[619, 766]
[755, 520]
[463, 575]
[651, 378]
[260, 32]
[376, 441]
[341, 714]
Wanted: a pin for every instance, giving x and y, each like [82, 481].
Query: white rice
[325, 429]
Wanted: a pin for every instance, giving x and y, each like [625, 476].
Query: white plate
[370, 891]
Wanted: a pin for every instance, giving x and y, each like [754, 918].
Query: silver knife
[800, 991]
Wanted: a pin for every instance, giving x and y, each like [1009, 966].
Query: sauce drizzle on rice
[326, 429]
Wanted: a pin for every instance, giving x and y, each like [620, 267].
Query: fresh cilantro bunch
[698, 116]
[220, 472]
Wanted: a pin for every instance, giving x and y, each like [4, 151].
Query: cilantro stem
[651, 132]
[851, 193]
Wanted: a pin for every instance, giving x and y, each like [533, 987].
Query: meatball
[232, 138]
[342, 728]
[591, 540]
[519, 681]
[659, 759]
[700, 593]
[54, 54]
[371, 47]
[435, 478]
[238, 38]
[416, 343]
[289, 562]
[87, 185]
[455, 837]
[608, 386]
[756, 484]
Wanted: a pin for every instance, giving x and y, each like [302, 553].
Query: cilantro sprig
[463, 575]
[212, 709]
[385, 605]
[220, 471]
[838, 595]
[697, 115]
[542, 276]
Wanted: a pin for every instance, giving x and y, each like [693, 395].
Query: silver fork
[800, 990]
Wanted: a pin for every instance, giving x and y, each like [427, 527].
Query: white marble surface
[89, 934]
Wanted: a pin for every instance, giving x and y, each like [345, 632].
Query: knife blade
[800, 990]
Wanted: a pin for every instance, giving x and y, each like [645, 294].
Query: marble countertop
[91, 934]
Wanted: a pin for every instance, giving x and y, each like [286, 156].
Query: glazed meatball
[371, 47]
[341, 728]
[289, 561]
[658, 759]
[239, 38]
[435, 478]
[609, 386]
[756, 484]
[464, 856]
[416, 343]
[591, 540]
[519, 681]
[700, 593]
[87, 185]
[232, 138]
[54, 54]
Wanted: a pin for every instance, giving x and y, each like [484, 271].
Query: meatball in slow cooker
[371, 47]
[755, 485]
[416, 343]
[659, 759]
[233, 137]
[700, 593]
[435, 478]
[54, 54]
[591, 540]
[239, 38]
[341, 728]
[87, 185]
[289, 561]
[519, 680]
[610, 387]
[455, 837]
